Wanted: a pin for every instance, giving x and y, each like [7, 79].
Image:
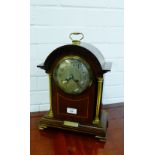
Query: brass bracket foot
[42, 127]
[103, 139]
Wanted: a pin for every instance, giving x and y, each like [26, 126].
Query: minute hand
[77, 82]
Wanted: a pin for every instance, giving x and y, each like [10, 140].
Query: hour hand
[67, 79]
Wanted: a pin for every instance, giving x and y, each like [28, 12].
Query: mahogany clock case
[85, 103]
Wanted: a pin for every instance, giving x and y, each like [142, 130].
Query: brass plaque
[73, 124]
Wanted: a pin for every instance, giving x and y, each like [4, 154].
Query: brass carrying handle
[76, 33]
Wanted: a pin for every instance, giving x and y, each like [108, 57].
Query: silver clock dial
[73, 75]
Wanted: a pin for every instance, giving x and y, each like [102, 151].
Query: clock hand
[68, 79]
[74, 79]
[77, 82]
[71, 77]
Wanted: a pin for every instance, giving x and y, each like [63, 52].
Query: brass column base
[49, 115]
[96, 121]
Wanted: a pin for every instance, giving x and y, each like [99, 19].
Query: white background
[139, 77]
[52, 21]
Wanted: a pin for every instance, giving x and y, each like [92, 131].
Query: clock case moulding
[96, 121]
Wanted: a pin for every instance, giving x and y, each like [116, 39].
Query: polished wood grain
[87, 103]
[59, 142]
[84, 102]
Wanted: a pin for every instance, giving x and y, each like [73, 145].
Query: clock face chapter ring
[72, 74]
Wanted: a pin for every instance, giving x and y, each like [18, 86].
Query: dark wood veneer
[89, 94]
[84, 53]
[86, 103]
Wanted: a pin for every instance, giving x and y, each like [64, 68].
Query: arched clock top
[89, 53]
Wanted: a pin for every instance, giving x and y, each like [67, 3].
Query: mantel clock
[76, 80]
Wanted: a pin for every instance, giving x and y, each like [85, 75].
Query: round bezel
[70, 79]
